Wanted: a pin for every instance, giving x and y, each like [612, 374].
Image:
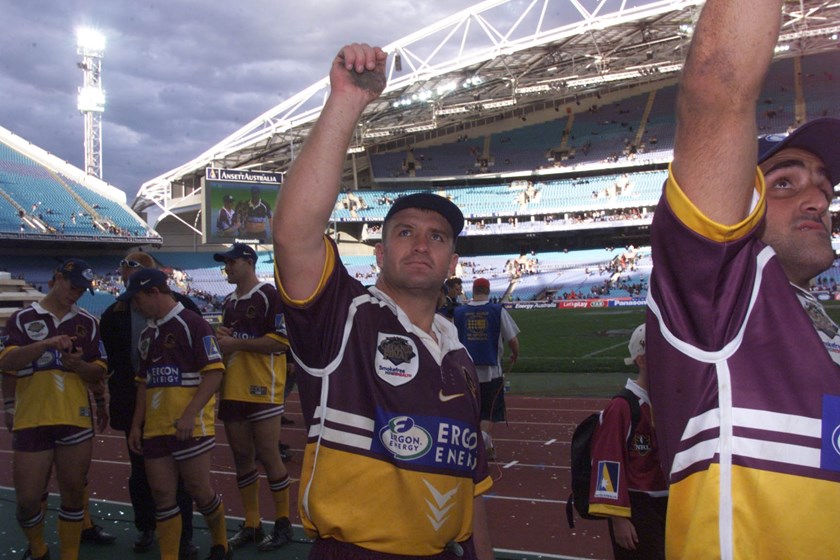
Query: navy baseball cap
[143, 279]
[228, 198]
[821, 137]
[237, 251]
[78, 272]
[429, 201]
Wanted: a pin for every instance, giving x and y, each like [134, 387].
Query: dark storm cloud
[179, 75]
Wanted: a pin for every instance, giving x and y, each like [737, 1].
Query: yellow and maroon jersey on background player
[46, 393]
[251, 376]
[175, 352]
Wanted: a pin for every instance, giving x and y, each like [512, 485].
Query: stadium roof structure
[491, 64]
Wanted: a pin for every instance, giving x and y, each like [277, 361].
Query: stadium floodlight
[499, 104]
[670, 68]
[90, 40]
[542, 88]
[454, 110]
[377, 133]
[90, 45]
[604, 79]
[421, 127]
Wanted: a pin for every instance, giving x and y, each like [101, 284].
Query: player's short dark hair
[452, 282]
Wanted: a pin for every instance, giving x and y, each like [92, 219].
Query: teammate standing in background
[743, 360]
[253, 341]
[484, 328]
[628, 486]
[121, 325]
[54, 349]
[173, 427]
[227, 222]
[384, 369]
[454, 293]
[257, 217]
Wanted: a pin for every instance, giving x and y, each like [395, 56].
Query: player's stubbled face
[798, 224]
[417, 250]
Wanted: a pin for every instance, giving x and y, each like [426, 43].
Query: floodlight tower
[91, 45]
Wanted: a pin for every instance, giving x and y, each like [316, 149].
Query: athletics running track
[526, 505]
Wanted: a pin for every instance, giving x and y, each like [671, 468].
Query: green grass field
[578, 352]
[573, 352]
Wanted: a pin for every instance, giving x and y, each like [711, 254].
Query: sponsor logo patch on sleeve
[608, 480]
[211, 348]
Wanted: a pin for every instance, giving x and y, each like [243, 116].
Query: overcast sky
[179, 75]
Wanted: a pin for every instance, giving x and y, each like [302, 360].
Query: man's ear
[453, 263]
[377, 251]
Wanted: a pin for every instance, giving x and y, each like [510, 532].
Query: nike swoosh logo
[144, 282]
[447, 398]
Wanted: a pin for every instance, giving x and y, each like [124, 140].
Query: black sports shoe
[281, 535]
[187, 551]
[145, 541]
[97, 535]
[285, 454]
[218, 552]
[246, 535]
[28, 555]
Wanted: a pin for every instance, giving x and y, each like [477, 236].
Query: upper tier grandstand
[556, 159]
[43, 198]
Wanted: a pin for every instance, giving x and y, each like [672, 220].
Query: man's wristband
[9, 406]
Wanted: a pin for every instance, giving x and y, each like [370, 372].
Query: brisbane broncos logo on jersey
[396, 359]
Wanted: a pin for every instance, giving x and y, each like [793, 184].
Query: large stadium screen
[238, 204]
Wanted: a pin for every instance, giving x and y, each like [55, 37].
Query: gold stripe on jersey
[255, 377]
[755, 515]
[165, 405]
[609, 509]
[421, 505]
[695, 220]
[329, 264]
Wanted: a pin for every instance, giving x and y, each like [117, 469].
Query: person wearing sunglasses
[121, 325]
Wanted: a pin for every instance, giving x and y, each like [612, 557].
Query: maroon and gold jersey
[47, 393]
[251, 376]
[175, 352]
[745, 391]
[619, 468]
[393, 420]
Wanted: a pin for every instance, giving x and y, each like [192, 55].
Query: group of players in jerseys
[54, 360]
[742, 358]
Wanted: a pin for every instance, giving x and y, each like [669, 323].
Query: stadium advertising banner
[237, 205]
[576, 303]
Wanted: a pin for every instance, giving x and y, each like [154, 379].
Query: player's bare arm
[261, 345]
[715, 144]
[481, 531]
[357, 77]
[135, 436]
[8, 382]
[625, 533]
